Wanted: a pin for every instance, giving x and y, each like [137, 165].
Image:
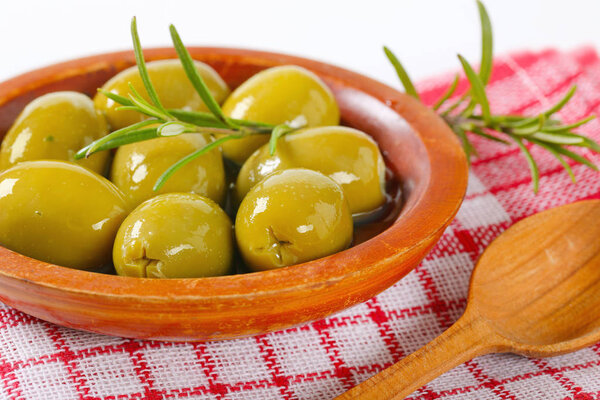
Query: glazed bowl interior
[419, 149]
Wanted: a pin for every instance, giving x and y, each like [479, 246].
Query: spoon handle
[468, 338]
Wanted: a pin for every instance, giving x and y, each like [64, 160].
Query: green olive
[54, 127]
[59, 212]
[275, 96]
[175, 235]
[290, 217]
[348, 156]
[172, 86]
[137, 166]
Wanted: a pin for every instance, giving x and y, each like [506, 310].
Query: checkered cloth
[320, 360]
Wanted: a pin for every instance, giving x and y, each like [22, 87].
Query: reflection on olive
[290, 217]
[175, 235]
[172, 86]
[348, 156]
[137, 166]
[54, 127]
[59, 212]
[275, 96]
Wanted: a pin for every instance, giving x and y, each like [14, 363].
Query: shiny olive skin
[290, 217]
[54, 127]
[137, 166]
[172, 86]
[174, 235]
[275, 96]
[346, 155]
[60, 212]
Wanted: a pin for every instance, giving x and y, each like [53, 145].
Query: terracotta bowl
[419, 147]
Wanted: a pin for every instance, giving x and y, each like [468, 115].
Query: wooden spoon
[535, 291]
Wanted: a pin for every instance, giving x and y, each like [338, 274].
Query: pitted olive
[290, 217]
[175, 235]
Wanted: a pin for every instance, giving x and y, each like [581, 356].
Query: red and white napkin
[320, 360]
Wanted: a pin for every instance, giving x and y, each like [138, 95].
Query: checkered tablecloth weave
[39, 360]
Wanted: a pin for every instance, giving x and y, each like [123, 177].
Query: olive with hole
[172, 86]
[290, 217]
[346, 155]
[137, 167]
[60, 212]
[54, 127]
[175, 235]
[275, 96]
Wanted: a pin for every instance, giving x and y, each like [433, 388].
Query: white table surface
[425, 34]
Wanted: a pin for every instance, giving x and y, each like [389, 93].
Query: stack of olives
[289, 206]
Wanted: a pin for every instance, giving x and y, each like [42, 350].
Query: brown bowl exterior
[418, 146]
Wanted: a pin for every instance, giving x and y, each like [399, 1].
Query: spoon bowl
[535, 291]
[538, 284]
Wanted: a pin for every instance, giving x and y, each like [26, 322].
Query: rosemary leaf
[535, 172]
[468, 111]
[454, 105]
[141, 63]
[146, 108]
[409, 88]
[173, 128]
[589, 143]
[558, 106]
[487, 44]
[558, 139]
[116, 98]
[507, 118]
[519, 121]
[574, 125]
[560, 159]
[573, 156]
[198, 118]
[477, 90]
[278, 132]
[209, 120]
[466, 143]
[191, 157]
[523, 122]
[132, 137]
[447, 94]
[530, 128]
[98, 145]
[481, 133]
[585, 141]
[196, 79]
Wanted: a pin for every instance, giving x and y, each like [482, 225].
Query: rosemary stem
[455, 105]
[222, 131]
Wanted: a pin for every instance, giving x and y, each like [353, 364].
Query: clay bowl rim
[443, 149]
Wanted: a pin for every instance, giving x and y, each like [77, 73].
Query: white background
[425, 34]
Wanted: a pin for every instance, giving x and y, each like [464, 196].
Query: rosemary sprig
[164, 122]
[542, 130]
